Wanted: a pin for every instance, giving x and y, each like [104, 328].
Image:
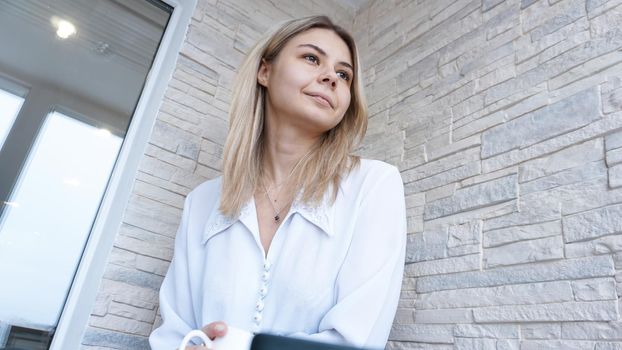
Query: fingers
[215, 329]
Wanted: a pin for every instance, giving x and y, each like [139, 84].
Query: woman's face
[308, 83]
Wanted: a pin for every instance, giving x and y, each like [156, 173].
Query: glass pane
[84, 63]
[9, 107]
[62, 186]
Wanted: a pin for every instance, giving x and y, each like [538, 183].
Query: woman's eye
[312, 58]
[343, 75]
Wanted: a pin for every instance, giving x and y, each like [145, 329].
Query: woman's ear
[263, 73]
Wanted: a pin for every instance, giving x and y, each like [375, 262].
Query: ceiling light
[104, 132]
[65, 29]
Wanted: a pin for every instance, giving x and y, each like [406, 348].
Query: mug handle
[198, 334]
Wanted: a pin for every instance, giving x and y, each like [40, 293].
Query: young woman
[298, 237]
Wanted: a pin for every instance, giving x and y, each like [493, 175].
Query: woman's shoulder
[372, 169]
[371, 173]
[207, 192]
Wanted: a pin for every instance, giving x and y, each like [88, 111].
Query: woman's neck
[284, 150]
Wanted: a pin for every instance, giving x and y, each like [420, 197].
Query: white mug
[235, 339]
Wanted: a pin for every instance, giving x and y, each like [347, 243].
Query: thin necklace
[277, 209]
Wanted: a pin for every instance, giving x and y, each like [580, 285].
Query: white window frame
[81, 299]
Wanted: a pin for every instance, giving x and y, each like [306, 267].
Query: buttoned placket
[249, 219]
[263, 291]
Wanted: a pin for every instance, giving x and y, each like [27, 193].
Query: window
[10, 104]
[48, 218]
[87, 65]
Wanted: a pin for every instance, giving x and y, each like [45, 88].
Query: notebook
[274, 342]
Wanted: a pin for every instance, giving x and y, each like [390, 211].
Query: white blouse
[332, 273]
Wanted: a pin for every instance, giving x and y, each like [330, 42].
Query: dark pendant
[276, 218]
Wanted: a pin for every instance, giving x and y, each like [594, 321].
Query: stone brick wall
[505, 118]
[184, 150]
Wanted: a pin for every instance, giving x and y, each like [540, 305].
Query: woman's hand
[213, 330]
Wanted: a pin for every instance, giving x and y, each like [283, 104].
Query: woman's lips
[321, 100]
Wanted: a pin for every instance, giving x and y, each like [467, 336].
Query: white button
[267, 265]
[259, 305]
[263, 291]
[257, 318]
[265, 276]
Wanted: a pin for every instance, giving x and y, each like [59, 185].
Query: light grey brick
[121, 324]
[598, 246]
[478, 179]
[475, 343]
[152, 216]
[139, 241]
[440, 316]
[571, 13]
[447, 265]
[133, 277]
[172, 158]
[592, 330]
[441, 165]
[102, 302]
[519, 294]
[573, 311]
[423, 333]
[404, 315]
[577, 110]
[115, 340]
[132, 312]
[152, 265]
[535, 207]
[612, 101]
[508, 344]
[593, 224]
[441, 192]
[428, 245]
[452, 175]
[473, 197]
[608, 123]
[465, 238]
[608, 345]
[520, 233]
[594, 289]
[589, 68]
[543, 249]
[615, 176]
[570, 157]
[122, 292]
[454, 147]
[556, 345]
[599, 266]
[578, 174]
[159, 194]
[614, 157]
[613, 141]
[541, 330]
[486, 331]
[592, 193]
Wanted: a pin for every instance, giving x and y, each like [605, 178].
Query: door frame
[81, 298]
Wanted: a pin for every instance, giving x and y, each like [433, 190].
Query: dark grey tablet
[274, 342]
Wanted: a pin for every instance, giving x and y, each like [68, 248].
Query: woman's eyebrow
[323, 53]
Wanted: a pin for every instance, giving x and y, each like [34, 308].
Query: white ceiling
[105, 62]
[356, 5]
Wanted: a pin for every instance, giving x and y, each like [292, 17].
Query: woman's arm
[175, 294]
[369, 281]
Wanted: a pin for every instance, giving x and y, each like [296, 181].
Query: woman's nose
[330, 78]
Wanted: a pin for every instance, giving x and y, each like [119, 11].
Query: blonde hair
[326, 163]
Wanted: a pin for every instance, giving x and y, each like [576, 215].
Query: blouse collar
[320, 215]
